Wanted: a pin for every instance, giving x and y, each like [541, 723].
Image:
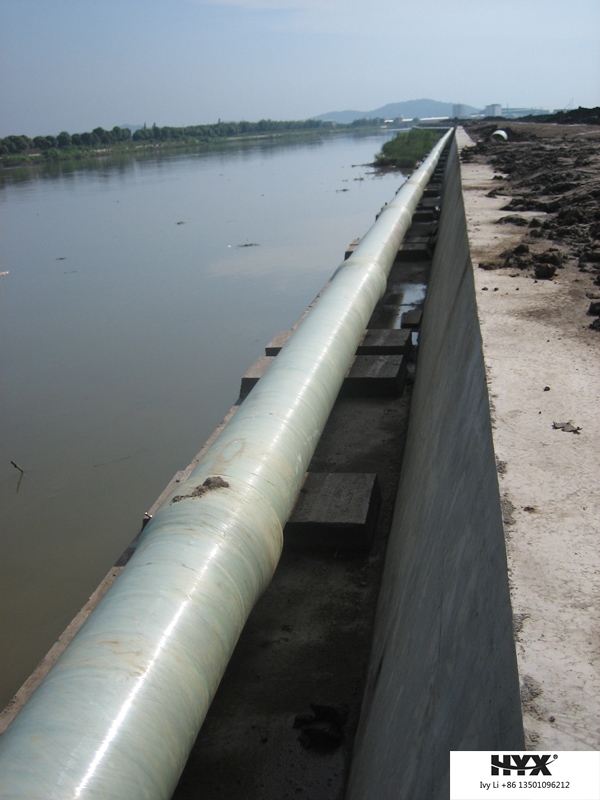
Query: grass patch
[405, 149]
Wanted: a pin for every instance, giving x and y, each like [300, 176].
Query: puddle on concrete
[403, 297]
[413, 297]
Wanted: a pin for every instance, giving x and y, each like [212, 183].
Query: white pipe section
[118, 714]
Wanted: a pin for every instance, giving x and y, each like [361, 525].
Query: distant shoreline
[37, 157]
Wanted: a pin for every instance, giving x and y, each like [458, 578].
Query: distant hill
[408, 110]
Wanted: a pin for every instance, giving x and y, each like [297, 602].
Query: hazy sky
[76, 64]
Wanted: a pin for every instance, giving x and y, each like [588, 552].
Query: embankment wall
[443, 672]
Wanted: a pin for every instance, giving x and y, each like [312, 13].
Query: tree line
[14, 145]
[22, 144]
[223, 130]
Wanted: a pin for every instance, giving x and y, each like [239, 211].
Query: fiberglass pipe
[118, 714]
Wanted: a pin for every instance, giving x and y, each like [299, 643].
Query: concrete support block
[334, 512]
[254, 373]
[429, 202]
[376, 342]
[375, 376]
[369, 376]
[422, 228]
[277, 343]
[412, 319]
[425, 216]
[417, 249]
[385, 342]
[351, 248]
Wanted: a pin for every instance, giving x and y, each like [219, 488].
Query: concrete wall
[443, 673]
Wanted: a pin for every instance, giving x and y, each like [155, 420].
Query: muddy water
[138, 291]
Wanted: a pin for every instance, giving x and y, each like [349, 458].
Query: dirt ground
[533, 211]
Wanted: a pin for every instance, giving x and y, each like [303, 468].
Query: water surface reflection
[129, 313]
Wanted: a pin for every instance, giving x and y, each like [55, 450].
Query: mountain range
[409, 109]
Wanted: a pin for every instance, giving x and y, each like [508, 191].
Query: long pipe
[118, 714]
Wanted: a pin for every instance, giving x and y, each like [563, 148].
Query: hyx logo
[531, 762]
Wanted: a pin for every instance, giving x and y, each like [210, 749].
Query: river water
[138, 291]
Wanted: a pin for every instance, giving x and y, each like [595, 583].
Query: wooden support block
[334, 512]
[385, 342]
[375, 376]
[412, 319]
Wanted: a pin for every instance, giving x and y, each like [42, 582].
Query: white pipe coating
[118, 714]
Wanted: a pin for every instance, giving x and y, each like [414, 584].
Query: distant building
[459, 111]
[513, 113]
[494, 110]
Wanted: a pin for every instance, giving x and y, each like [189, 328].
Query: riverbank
[407, 148]
[189, 144]
[532, 207]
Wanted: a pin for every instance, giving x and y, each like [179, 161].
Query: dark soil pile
[554, 170]
[577, 116]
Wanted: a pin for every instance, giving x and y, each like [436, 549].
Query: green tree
[63, 139]
[18, 144]
[120, 134]
[102, 136]
[142, 135]
[41, 142]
